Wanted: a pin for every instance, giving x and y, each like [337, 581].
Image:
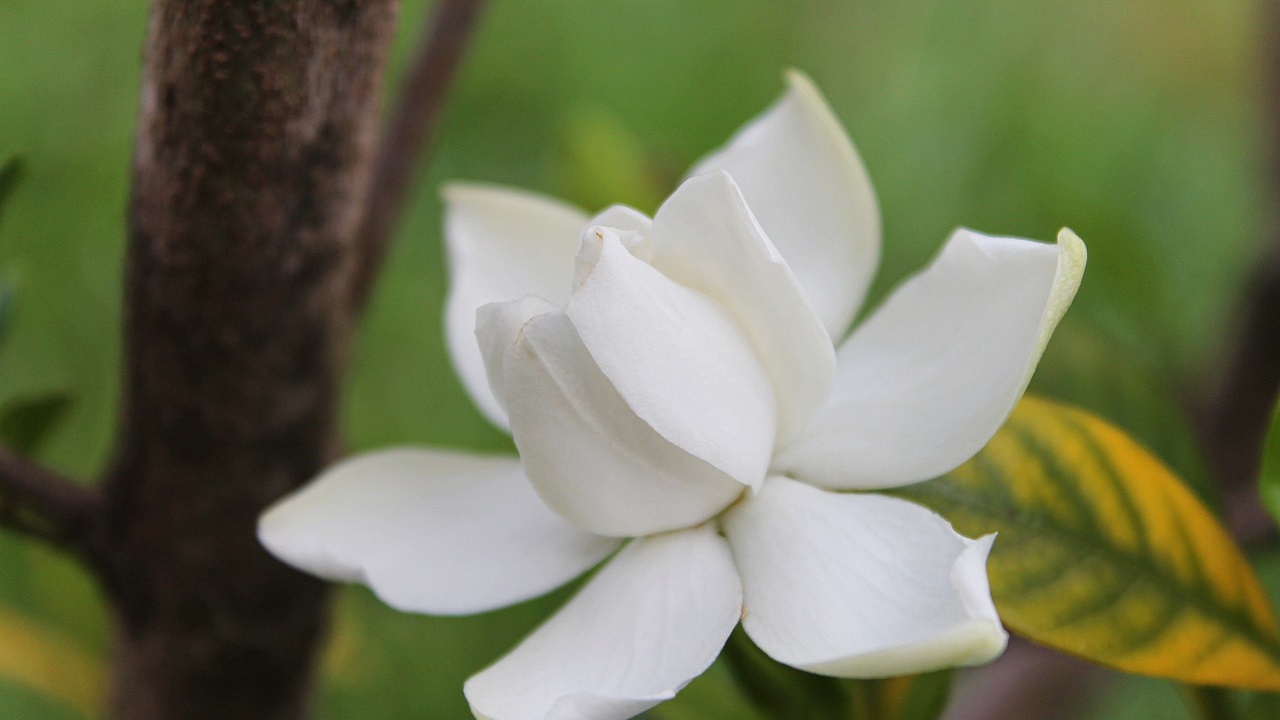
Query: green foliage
[11, 174]
[27, 422]
[782, 692]
[1213, 703]
[1265, 706]
[1105, 554]
[41, 660]
[785, 693]
[714, 695]
[6, 309]
[608, 164]
[18, 701]
[921, 697]
[912, 697]
[1269, 485]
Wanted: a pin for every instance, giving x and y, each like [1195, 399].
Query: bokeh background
[1138, 123]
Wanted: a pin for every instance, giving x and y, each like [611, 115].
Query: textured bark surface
[253, 151]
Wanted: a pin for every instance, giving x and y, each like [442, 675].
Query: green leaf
[911, 697]
[1269, 485]
[1105, 554]
[6, 309]
[1213, 703]
[783, 692]
[11, 173]
[27, 422]
[608, 163]
[1265, 706]
[38, 658]
[17, 700]
[713, 695]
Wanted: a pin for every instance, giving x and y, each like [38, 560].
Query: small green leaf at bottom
[11, 173]
[1269, 485]
[27, 422]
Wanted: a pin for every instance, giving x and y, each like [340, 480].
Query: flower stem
[783, 692]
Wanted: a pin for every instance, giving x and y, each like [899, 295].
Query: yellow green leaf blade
[1105, 554]
[41, 660]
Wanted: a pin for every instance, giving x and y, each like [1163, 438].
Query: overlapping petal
[926, 381]
[634, 228]
[585, 450]
[431, 531]
[679, 360]
[503, 244]
[706, 238]
[860, 585]
[653, 619]
[498, 324]
[808, 188]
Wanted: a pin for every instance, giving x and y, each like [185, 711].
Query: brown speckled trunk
[253, 152]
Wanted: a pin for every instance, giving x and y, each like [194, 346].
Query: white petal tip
[1072, 254]
[985, 543]
[799, 81]
[974, 643]
[1072, 257]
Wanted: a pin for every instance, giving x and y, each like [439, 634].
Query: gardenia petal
[853, 585]
[587, 453]
[653, 619]
[706, 238]
[634, 228]
[430, 531]
[502, 244]
[926, 381]
[678, 360]
[808, 188]
[498, 324]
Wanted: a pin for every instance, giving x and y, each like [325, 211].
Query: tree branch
[39, 503]
[409, 133]
[253, 156]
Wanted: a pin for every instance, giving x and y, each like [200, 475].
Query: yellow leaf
[1105, 554]
[54, 666]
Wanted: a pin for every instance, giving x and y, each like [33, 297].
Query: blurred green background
[1138, 123]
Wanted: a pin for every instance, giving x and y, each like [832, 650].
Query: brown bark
[253, 155]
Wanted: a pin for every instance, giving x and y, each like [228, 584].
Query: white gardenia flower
[675, 381]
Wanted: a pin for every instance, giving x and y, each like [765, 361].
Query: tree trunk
[255, 136]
